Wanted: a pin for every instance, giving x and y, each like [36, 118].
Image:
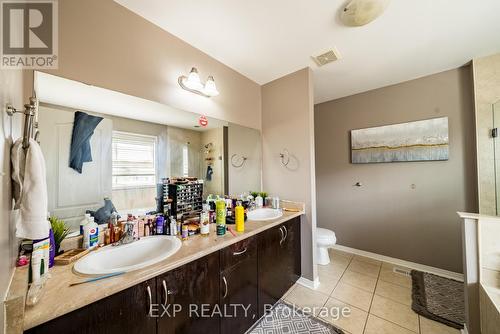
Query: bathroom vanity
[254, 268]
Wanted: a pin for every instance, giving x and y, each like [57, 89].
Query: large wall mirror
[137, 144]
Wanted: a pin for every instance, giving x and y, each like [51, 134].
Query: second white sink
[264, 214]
[128, 257]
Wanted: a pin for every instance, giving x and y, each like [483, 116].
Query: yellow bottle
[239, 213]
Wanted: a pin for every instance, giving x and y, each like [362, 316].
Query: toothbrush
[232, 232]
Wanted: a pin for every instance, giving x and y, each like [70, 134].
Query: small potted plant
[60, 230]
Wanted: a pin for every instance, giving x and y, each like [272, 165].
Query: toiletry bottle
[204, 221]
[136, 228]
[220, 213]
[185, 232]
[52, 251]
[140, 228]
[173, 227]
[239, 213]
[229, 207]
[84, 222]
[276, 202]
[36, 263]
[259, 201]
[107, 236]
[160, 221]
[90, 234]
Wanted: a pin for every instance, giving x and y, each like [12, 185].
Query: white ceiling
[77, 95]
[265, 40]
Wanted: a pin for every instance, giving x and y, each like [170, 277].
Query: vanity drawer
[238, 252]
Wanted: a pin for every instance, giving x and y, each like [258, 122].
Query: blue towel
[210, 171]
[83, 129]
[103, 214]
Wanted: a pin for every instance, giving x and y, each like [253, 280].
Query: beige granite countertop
[59, 298]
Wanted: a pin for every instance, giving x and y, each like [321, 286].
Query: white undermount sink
[128, 257]
[264, 214]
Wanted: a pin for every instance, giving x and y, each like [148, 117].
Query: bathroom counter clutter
[60, 298]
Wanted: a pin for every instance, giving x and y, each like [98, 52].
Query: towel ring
[285, 157]
[30, 119]
[242, 160]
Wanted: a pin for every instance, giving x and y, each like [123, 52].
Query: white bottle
[205, 221]
[173, 227]
[90, 234]
[259, 202]
[84, 222]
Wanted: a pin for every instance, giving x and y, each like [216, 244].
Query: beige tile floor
[378, 299]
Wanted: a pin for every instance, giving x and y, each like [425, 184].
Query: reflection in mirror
[244, 159]
[134, 148]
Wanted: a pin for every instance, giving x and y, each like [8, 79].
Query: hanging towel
[29, 191]
[210, 171]
[83, 129]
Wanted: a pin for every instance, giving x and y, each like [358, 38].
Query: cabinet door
[270, 267]
[188, 295]
[291, 253]
[127, 311]
[239, 289]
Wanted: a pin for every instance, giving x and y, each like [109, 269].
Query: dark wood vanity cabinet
[187, 296]
[250, 273]
[291, 252]
[239, 286]
[127, 311]
[279, 262]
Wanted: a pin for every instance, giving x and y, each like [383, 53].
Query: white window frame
[155, 152]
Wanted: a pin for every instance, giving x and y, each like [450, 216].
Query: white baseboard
[308, 283]
[464, 331]
[403, 263]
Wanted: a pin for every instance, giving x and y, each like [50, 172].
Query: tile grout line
[378, 279]
[418, 318]
[330, 295]
[392, 322]
[373, 297]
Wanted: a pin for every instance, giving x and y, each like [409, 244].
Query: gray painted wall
[288, 122]
[386, 215]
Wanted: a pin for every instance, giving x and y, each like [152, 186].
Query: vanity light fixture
[193, 84]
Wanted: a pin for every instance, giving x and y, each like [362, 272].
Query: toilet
[324, 239]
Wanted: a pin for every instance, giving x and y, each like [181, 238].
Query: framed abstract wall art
[425, 140]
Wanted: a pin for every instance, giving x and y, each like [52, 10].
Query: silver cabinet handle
[225, 287]
[240, 252]
[282, 235]
[165, 291]
[286, 232]
[150, 312]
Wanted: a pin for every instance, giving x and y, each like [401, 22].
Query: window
[134, 160]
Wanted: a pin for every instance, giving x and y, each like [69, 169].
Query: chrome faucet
[128, 235]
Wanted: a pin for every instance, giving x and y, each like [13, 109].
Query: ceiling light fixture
[193, 84]
[361, 12]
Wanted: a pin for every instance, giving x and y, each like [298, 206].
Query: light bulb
[193, 80]
[210, 87]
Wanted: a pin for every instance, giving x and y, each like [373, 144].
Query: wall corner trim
[308, 283]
